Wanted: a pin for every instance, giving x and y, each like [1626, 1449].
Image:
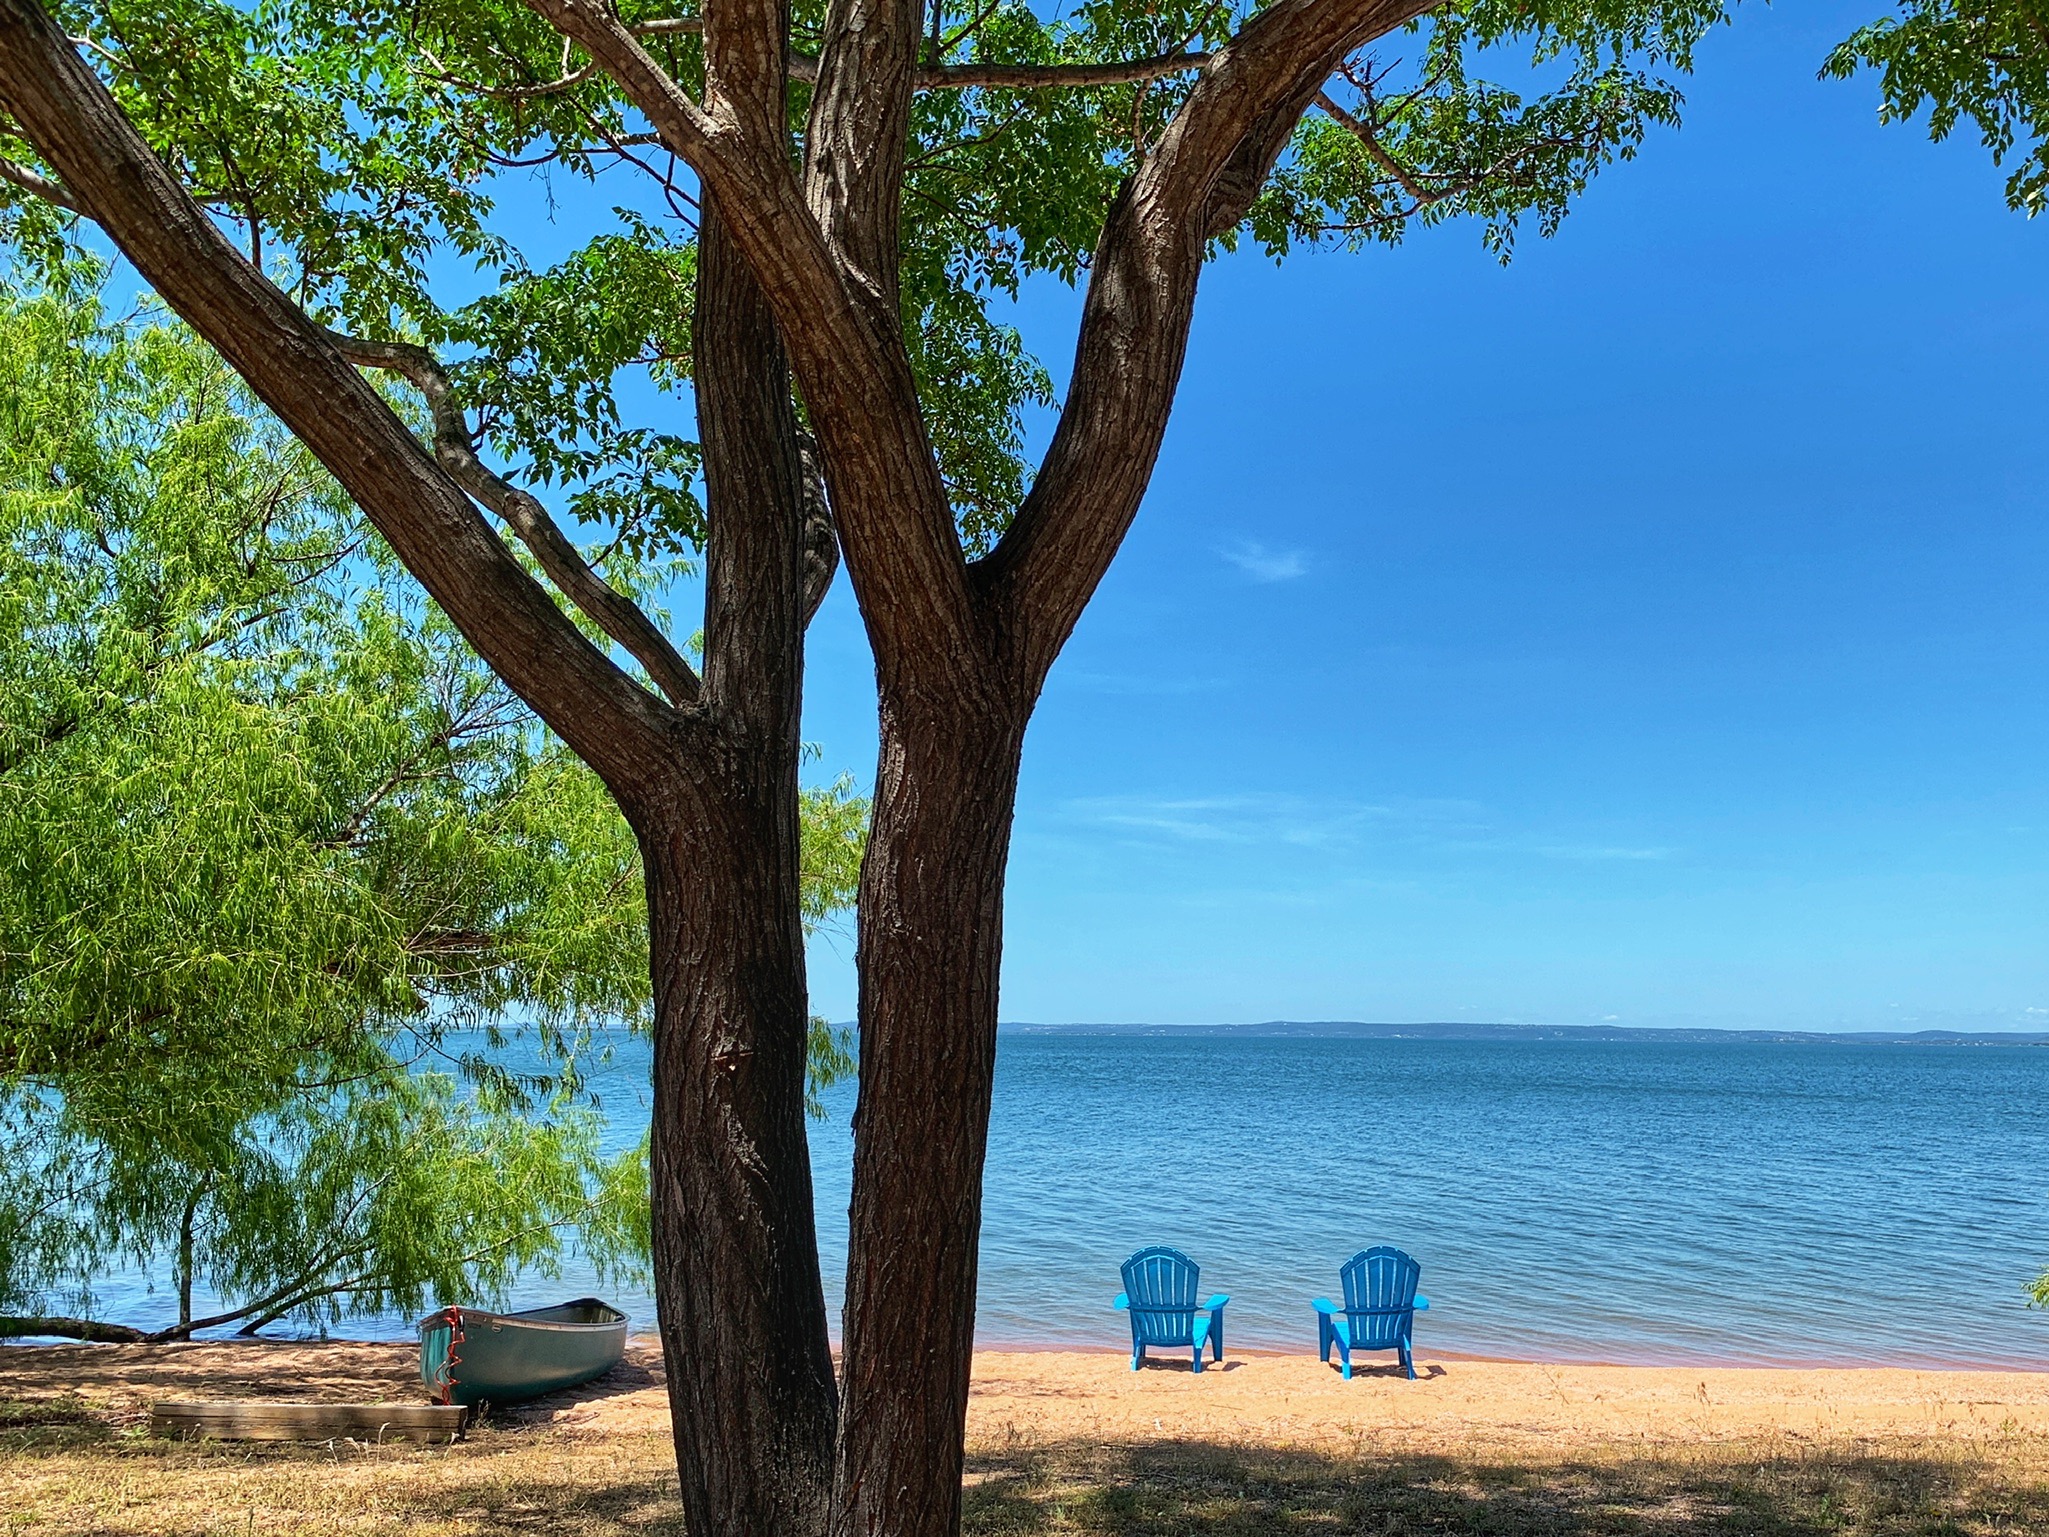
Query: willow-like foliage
[279, 861]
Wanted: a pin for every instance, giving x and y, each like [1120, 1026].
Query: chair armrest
[1325, 1305]
[1217, 1302]
[1123, 1301]
[1422, 1304]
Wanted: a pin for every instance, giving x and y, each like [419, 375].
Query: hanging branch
[616, 614]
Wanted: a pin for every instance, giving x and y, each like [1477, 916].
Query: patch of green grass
[69, 1410]
[31, 1423]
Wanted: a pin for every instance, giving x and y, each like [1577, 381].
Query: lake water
[1740, 1202]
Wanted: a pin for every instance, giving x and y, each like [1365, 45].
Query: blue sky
[1650, 631]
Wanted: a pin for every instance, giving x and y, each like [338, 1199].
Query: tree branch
[374, 1280]
[1038, 77]
[90, 1330]
[94, 1332]
[39, 185]
[821, 542]
[1197, 183]
[456, 451]
[569, 79]
[1351, 123]
[404, 772]
[78, 130]
[804, 67]
[838, 317]
[855, 141]
[754, 557]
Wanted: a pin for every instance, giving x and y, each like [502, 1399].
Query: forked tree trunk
[931, 945]
[737, 1288]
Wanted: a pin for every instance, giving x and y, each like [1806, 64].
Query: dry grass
[66, 1471]
[1912, 1490]
[69, 1479]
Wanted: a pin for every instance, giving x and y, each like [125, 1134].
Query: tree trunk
[737, 1287]
[931, 943]
[185, 1256]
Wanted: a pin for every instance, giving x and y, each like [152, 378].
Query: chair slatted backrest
[1380, 1295]
[1161, 1284]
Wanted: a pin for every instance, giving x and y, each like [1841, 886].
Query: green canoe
[469, 1356]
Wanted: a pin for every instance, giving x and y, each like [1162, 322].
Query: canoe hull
[469, 1356]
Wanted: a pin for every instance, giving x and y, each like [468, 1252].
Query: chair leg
[1198, 1355]
[1216, 1337]
[1408, 1361]
[1323, 1339]
[1344, 1360]
[1137, 1355]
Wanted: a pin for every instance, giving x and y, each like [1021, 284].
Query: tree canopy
[376, 160]
[1985, 62]
[278, 855]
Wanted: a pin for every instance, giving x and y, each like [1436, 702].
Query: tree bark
[90, 1330]
[737, 1288]
[191, 1214]
[737, 1285]
[931, 944]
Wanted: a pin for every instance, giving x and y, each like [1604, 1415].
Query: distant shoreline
[1452, 1031]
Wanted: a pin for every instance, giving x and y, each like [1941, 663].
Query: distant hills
[1451, 1031]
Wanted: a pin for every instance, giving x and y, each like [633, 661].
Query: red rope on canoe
[453, 1358]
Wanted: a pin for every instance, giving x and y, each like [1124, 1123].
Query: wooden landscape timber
[233, 1420]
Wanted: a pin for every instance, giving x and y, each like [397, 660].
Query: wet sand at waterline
[1023, 1397]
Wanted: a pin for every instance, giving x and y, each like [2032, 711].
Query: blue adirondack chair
[1159, 1293]
[1380, 1308]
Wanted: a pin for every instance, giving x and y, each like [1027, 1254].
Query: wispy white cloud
[1306, 822]
[1458, 828]
[1263, 564]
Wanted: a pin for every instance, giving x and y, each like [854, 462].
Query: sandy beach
[1273, 1400]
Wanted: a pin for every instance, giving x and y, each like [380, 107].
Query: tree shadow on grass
[49, 1423]
[524, 1480]
[1195, 1489]
[130, 1375]
[640, 1373]
[1425, 1371]
[496, 1481]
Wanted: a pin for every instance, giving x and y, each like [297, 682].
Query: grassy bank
[66, 1471]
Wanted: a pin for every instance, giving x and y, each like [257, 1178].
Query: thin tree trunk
[185, 1256]
[931, 943]
[737, 1285]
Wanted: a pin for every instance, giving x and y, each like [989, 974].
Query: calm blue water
[1656, 1201]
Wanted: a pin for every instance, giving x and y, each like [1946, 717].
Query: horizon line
[1503, 1030]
